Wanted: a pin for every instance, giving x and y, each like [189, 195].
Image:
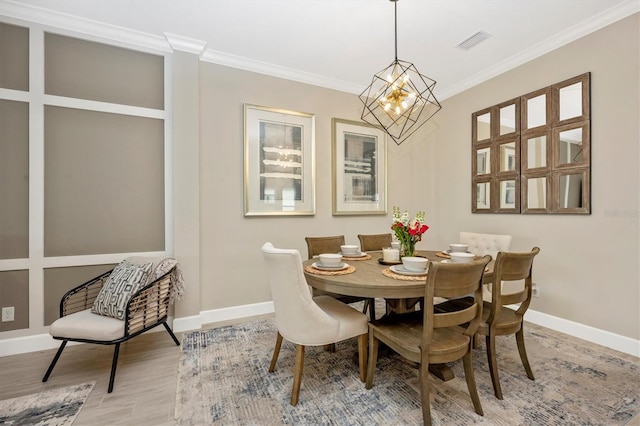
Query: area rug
[55, 407]
[223, 378]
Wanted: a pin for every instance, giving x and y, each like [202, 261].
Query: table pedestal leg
[441, 371]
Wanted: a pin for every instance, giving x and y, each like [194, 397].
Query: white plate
[359, 254]
[330, 268]
[446, 261]
[400, 269]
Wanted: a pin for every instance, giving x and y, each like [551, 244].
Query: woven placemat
[443, 254]
[366, 257]
[389, 273]
[348, 270]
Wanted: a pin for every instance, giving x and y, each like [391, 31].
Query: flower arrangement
[408, 232]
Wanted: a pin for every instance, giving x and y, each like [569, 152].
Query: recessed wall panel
[14, 180]
[99, 72]
[14, 292]
[104, 183]
[14, 57]
[57, 281]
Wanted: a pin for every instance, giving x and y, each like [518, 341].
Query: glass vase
[408, 249]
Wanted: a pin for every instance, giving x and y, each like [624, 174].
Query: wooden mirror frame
[549, 169]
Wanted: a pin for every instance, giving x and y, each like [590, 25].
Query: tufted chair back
[483, 244]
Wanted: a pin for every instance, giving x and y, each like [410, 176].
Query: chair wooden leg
[297, 374]
[55, 360]
[114, 364]
[276, 352]
[471, 382]
[173, 336]
[476, 341]
[373, 358]
[493, 364]
[423, 372]
[523, 353]
[331, 347]
[362, 356]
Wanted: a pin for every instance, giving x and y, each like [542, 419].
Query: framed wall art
[359, 168]
[279, 163]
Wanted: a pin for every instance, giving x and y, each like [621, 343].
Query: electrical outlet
[535, 291]
[8, 313]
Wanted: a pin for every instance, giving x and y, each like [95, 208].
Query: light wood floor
[145, 386]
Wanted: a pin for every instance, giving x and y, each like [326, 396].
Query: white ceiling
[342, 43]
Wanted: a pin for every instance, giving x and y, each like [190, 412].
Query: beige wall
[587, 270]
[577, 268]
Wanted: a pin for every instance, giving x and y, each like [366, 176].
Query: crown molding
[170, 42]
[569, 35]
[240, 62]
[186, 44]
[94, 30]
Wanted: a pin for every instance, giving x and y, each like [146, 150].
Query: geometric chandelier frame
[399, 99]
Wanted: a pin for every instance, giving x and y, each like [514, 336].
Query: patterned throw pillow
[125, 280]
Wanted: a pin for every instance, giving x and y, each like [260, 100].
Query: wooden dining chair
[497, 318]
[319, 245]
[427, 337]
[374, 242]
[307, 321]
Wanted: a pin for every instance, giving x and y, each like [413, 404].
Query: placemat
[349, 270]
[443, 254]
[389, 273]
[367, 257]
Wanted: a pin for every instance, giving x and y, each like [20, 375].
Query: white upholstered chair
[483, 244]
[118, 305]
[305, 320]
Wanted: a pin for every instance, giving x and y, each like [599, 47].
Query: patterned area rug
[56, 407]
[223, 379]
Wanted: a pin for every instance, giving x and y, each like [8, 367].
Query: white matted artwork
[279, 163]
[359, 168]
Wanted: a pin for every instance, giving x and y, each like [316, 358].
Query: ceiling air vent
[475, 39]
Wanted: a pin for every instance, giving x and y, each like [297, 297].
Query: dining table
[368, 275]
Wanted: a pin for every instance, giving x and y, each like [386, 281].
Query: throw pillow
[125, 280]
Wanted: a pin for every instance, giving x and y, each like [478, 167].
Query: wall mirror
[534, 152]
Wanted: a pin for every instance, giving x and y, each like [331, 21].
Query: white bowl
[458, 248]
[349, 249]
[330, 259]
[461, 257]
[415, 264]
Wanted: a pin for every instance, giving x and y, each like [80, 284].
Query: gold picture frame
[279, 162]
[359, 168]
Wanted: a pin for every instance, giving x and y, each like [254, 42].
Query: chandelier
[399, 99]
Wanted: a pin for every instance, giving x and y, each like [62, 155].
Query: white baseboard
[18, 345]
[595, 335]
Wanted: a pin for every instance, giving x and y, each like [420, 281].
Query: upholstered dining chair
[319, 245]
[118, 305]
[427, 337]
[372, 242]
[307, 321]
[482, 244]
